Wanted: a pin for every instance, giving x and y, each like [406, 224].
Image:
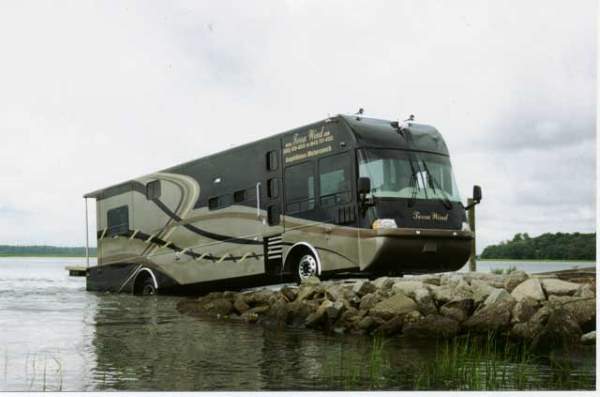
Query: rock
[432, 326]
[383, 283]
[406, 287]
[496, 295]
[531, 288]
[316, 317]
[368, 301]
[299, 311]
[561, 329]
[480, 290]
[450, 279]
[250, 317]
[240, 305]
[583, 310]
[220, 307]
[312, 281]
[396, 305]
[289, 293]
[534, 326]
[494, 317]
[363, 287]
[458, 310]
[443, 294]
[559, 287]
[513, 279]
[589, 338]
[334, 292]
[524, 310]
[366, 323]
[411, 317]
[258, 298]
[585, 291]
[306, 292]
[391, 327]
[432, 279]
[493, 280]
[279, 311]
[424, 301]
[335, 310]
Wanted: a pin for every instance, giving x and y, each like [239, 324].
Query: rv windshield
[403, 174]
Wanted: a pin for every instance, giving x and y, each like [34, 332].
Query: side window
[273, 188]
[153, 190]
[300, 188]
[215, 203]
[272, 163]
[335, 180]
[118, 221]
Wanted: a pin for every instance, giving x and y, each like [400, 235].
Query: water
[56, 336]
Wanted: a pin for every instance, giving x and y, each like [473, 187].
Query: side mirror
[364, 185]
[477, 193]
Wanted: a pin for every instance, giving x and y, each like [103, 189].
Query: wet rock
[363, 287]
[279, 312]
[524, 310]
[528, 330]
[559, 287]
[335, 310]
[240, 305]
[250, 317]
[513, 279]
[368, 301]
[258, 298]
[311, 281]
[316, 317]
[289, 293]
[583, 310]
[561, 329]
[412, 316]
[530, 288]
[391, 327]
[396, 305]
[219, 307]
[497, 295]
[366, 323]
[458, 310]
[589, 338]
[384, 283]
[407, 287]
[334, 292]
[494, 317]
[300, 310]
[432, 326]
[424, 301]
[306, 292]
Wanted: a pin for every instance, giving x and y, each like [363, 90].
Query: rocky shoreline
[541, 309]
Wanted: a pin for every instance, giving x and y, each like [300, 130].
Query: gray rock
[493, 280]
[432, 326]
[312, 280]
[443, 294]
[513, 279]
[496, 295]
[366, 323]
[240, 305]
[368, 301]
[559, 287]
[316, 317]
[424, 301]
[257, 298]
[396, 305]
[585, 291]
[589, 338]
[363, 287]
[335, 310]
[561, 329]
[407, 287]
[528, 330]
[495, 317]
[279, 311]
[220, 307]
[530, 288]
[289, 293]
[383, 283]
[392, 326]
[432, 279]
[458, 310]
[583, 310]
[306, 291]
[524, 310]
[480, 290]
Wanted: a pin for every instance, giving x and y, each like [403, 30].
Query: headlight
[384, 224]
[465, 227]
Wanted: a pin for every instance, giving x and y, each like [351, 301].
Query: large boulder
[585, 291]
[524, 310]
[392, 326]
[589, 338]
[368, 301]
[431, 279]
[561, 329]
[424, 301]
[529, 329]
[512, 280]
[406, 287]
[384, 282]
[559, 287]
[257, 298]
[317, 316]
[335, 310]
[240, 305]
[396, 305]
[480, 290]
[432, 326]
[493, 280]
[493, 317]
[312, 280]
[583, 310]
[290, 293]
[219, 307]
[497, 295]
[530, 288]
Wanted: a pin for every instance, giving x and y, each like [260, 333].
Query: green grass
[508, 270]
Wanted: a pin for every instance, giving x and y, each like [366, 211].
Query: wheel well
[140, 279]
[296, 252]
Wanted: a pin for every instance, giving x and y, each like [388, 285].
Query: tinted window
[272, 162]
[219, 202]
[273, 188]
[335, 180]
[300, 188]
[118, 221]
[239, 196]
[153, 190]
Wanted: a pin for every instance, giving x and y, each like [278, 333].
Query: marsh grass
[508, 270]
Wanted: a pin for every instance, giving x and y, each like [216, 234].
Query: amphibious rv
[345, 194]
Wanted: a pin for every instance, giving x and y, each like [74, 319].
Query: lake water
[56, 336]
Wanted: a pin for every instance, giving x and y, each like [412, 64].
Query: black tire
[305, 266]
[148, 287]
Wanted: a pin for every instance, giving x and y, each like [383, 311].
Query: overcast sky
[94, 93]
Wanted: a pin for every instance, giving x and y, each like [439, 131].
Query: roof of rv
[367, 132]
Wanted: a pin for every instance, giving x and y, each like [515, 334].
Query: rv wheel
[148, 287]
[307, 266]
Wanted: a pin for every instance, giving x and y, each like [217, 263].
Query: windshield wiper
[413, 183]
[432, 183]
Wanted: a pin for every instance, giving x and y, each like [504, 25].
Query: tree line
[568, 246]
[43, 250]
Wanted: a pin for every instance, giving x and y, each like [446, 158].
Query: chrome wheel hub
[307, 267]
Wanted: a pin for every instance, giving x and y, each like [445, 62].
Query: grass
[508, 270]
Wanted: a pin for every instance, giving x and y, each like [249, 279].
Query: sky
[95, 93]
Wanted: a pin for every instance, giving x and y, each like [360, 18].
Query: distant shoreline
[42, 256]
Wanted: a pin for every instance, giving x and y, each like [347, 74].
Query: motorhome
[345, 195]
